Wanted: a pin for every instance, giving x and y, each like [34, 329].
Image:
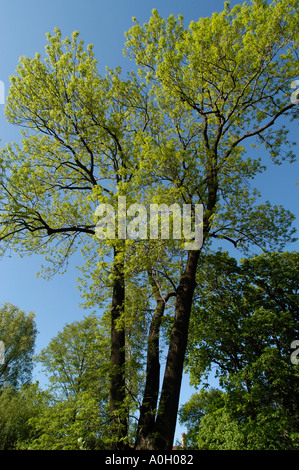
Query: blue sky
[23, 26]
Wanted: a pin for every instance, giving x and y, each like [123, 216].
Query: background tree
[191, 413]
[19, 399]
[76, 363]
[17, 409]
[18, 332]
[243, 325]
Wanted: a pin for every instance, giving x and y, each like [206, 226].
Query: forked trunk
[164, 428]
[156, 429]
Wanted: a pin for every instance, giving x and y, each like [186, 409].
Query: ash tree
[174, 132]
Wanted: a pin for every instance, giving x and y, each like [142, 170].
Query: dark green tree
[244, 322]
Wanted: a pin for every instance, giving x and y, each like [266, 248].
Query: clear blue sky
[23, 25]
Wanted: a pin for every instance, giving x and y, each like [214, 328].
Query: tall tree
[76, 151]
[221, 82]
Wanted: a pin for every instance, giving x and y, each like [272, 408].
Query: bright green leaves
[179, 138]
[78, 149]
[47, 94]
[226, 68]
[88, 115]
[221, 82]
[153, 39]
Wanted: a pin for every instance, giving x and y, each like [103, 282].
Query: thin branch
[257, 131]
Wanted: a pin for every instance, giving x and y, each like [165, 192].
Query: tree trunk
[151, 391]
[162, 434]
[117, 392]
[164, 429]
